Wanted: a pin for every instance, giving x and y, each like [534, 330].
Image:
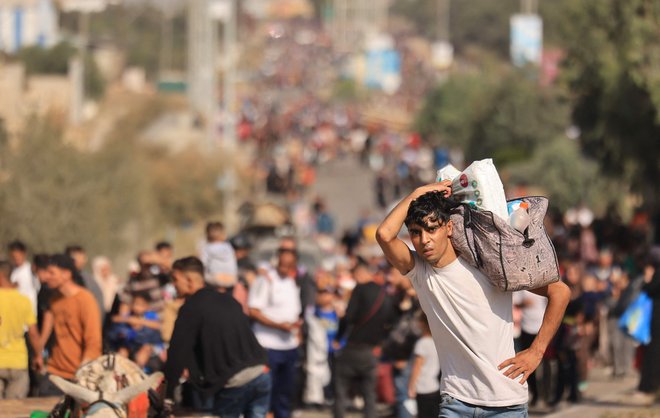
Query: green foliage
[111, 201]
[488, 116]
[138, 29]
[55, 60]
[614, 75]
[94, 83]
[481, 23]
[184, 186]
[56, 194]
[568, 178]
[345, 91]
[450, 110]
[4, 145]
[4, 136]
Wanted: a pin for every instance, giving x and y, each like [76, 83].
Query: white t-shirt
[218, 257]
[472, 327]
[427, 382]
[25, 283]
[279, 300]
[532, 309]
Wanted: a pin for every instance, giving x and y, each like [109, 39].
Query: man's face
[431, 240]
[166, 256]
[362, 275]
[181, 283]
[57, 277]
[286, 263]
[17, 257]
[605, 258]
[79, 259]
[43, 275]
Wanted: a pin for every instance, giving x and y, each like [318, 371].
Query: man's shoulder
[85, 295]
[14, 295]
[207, 295]
[209, 300]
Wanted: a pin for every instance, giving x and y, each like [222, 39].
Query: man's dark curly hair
[432, 203]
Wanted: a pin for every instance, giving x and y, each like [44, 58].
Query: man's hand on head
[522, 365]
[443, 187]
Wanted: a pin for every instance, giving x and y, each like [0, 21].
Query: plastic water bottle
[519, 218]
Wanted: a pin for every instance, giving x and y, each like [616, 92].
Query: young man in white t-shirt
[470, 320]
[274, 303]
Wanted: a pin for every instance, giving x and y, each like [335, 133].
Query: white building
[27, 23]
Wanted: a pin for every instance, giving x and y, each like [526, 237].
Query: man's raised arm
[396, 251]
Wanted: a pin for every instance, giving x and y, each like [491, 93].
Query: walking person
[649, 381]
[21, 274]
[424, 384]
[16, 315]
[212, 339]
[470, 319]
[76, 323]
[274, 303]
[365, 326]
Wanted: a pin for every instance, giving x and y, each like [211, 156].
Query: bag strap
[376, 306]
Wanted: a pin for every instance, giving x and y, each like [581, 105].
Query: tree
[613, 73]
[566, 176]
[138, 28]
[184, 185]
[55, 194]
[480, 23]
[491, 114]
[54, 60]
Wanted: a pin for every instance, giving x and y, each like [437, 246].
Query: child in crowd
[218, 257]
[424, 384]
[326, 311]
[137, 335]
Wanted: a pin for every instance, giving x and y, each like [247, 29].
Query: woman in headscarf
[106, 280]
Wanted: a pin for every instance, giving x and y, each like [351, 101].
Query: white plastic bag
[479, 185]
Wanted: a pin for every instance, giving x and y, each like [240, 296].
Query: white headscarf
[107, 281]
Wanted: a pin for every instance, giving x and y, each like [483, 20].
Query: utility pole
[229, 81]
[528, 6]
[201, 66]
[443, 17]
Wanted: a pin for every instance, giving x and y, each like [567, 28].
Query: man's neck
[194, 290]
[447, 258]
[69, 289]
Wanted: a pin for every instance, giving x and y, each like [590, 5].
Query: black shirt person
[213, 340]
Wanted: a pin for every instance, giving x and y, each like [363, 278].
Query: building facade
[26, 23]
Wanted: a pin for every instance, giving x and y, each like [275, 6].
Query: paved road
[604, 398]
[347, 188]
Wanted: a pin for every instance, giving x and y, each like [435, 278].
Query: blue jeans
[250, 400]
[401, 378]
[282, 365]
[453, 408]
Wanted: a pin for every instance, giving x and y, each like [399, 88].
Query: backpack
[511, 260]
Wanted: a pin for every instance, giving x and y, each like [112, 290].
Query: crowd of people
[348, 333]
[291, 125]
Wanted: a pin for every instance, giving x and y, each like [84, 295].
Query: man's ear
[450, 228]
